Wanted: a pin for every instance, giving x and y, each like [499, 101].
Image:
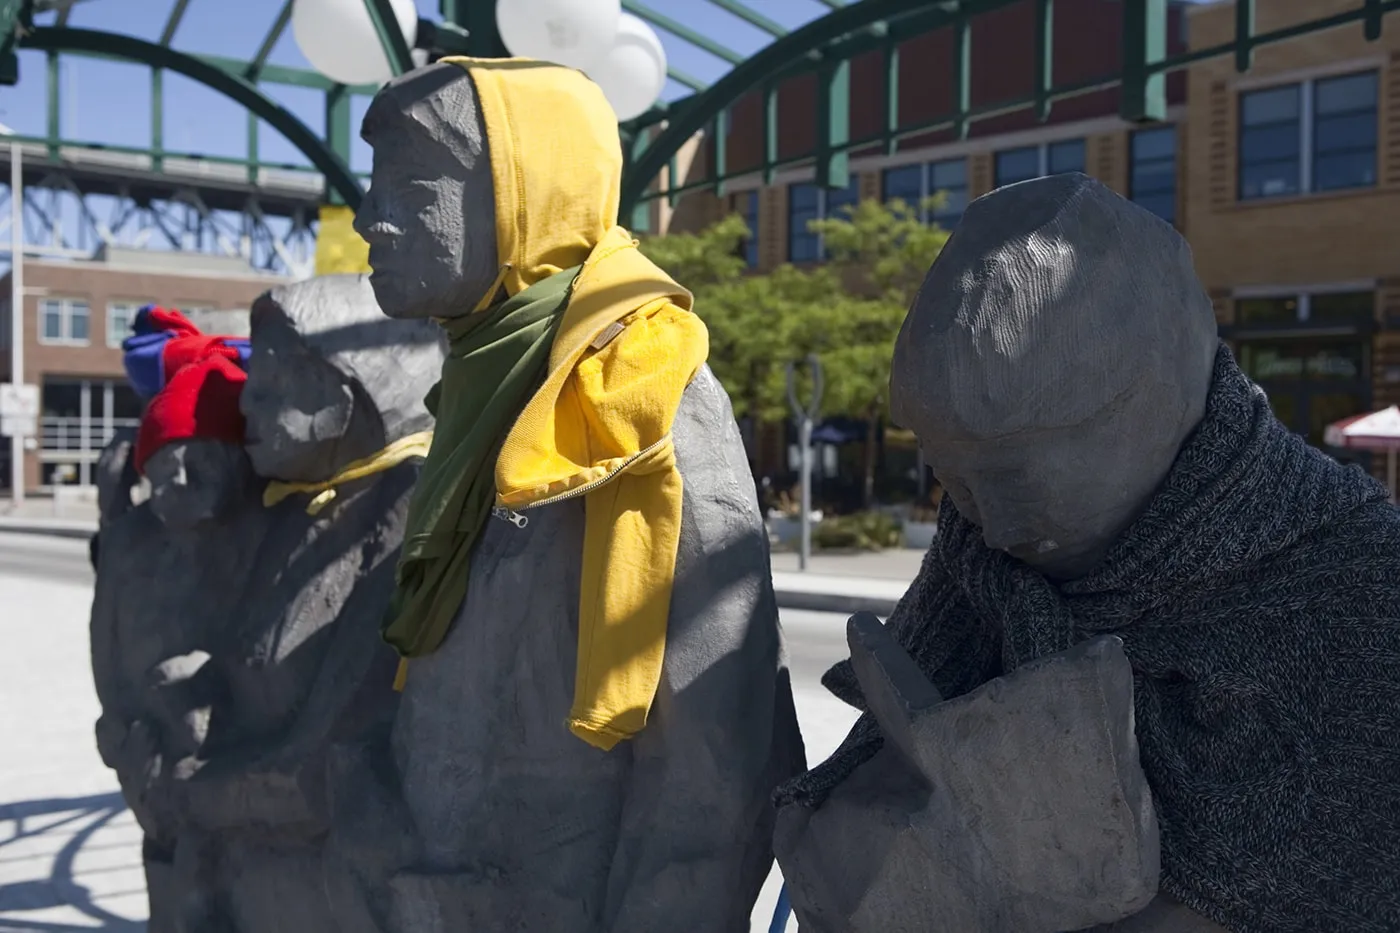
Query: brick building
[75, 317]
[1285, 179]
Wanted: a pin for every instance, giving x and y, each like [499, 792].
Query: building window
[748, 209]
[120, 315]
[1067, 156]
[63, 321]
[1027, 162]
[914, 184]
[948, 178]
[1153, 175]
[808, 202]
[1320, 308]
[906, 184]
[1013, 165]
[1312, 136]
[1344, 132]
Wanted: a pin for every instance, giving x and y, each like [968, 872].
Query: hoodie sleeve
[695, 839]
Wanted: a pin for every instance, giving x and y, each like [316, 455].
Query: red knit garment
[199, 401]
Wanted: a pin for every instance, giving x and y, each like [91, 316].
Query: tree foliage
[847, 311]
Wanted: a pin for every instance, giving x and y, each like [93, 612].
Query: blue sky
[109, 102]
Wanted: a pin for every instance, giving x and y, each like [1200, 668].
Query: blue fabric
[143, 354]
[143, 357]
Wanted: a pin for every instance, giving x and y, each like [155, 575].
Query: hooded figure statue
[235, 619]
[1113, 478]
[595, 704]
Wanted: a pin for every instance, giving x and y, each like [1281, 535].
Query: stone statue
[235, 620]
[1120, 500]
[524, 787]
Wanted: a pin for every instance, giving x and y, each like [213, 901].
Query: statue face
[429, 216]
[1057, 499]
[1059, 353]
[300, 411]
[195, 481]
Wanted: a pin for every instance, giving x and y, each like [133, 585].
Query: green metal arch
[94, 42]
[698, 111]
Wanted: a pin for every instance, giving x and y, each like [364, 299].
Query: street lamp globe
[338, 38]
[573, 33]
[633, 72]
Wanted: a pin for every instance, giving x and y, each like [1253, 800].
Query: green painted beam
[770, 133]
[720, 155]
[690, 81]
[157, 118]
[1244, 35]
[681, 32]
[891, 76]
[834, 125]
[1144, 94]
[269, 42]
[832, 4]
[172, 23]
[1372, 24]
[386, 24]
[53, 39]
[339, 131]
[1166, 65]
[1044, 56]
[750, 16]
[962, 76]
[55, 119]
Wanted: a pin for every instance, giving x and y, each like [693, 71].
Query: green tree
[846, 311]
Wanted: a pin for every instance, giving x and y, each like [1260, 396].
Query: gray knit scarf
[1258, 599]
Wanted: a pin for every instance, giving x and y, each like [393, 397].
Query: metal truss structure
[90, 200]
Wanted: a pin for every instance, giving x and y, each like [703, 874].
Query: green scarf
[497, 358]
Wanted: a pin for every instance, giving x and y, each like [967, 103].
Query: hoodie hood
[556, 167]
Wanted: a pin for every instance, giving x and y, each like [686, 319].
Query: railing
[83, 437]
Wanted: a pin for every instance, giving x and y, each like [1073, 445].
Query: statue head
[430, 214]
[330, 379]
[1057, 356]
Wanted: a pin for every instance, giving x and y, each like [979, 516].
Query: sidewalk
[846, 583]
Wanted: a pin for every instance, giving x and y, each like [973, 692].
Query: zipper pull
[506, 515]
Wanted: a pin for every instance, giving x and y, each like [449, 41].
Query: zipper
[506, 515]
[586, 488]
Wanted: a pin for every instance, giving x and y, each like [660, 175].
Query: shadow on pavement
[27, 821]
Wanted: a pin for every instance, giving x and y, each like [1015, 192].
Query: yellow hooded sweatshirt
[625, 350]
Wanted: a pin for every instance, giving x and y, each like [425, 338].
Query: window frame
[1042, 152]
[134, 307]
[927, 189]
[65, 317]
[1134, 161]
[1306, 121]
[822, 213]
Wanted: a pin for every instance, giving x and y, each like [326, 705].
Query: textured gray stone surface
[1017, 808]
[1051, 379]
[234, 644]
[479, 810]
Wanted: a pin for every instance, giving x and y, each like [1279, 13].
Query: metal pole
[806, 415]
[805, 439]
[17, 309]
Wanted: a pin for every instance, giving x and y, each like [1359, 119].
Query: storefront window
[1266, 310]
[1344, 307]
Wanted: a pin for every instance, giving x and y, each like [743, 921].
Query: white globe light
[573, 33]
[633, 72]
[339, 39]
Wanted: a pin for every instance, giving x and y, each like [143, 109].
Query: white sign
[19, 401]
[19, 427]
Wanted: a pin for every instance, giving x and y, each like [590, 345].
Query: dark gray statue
[483, 811]
[1131, 545]
[234, 635]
